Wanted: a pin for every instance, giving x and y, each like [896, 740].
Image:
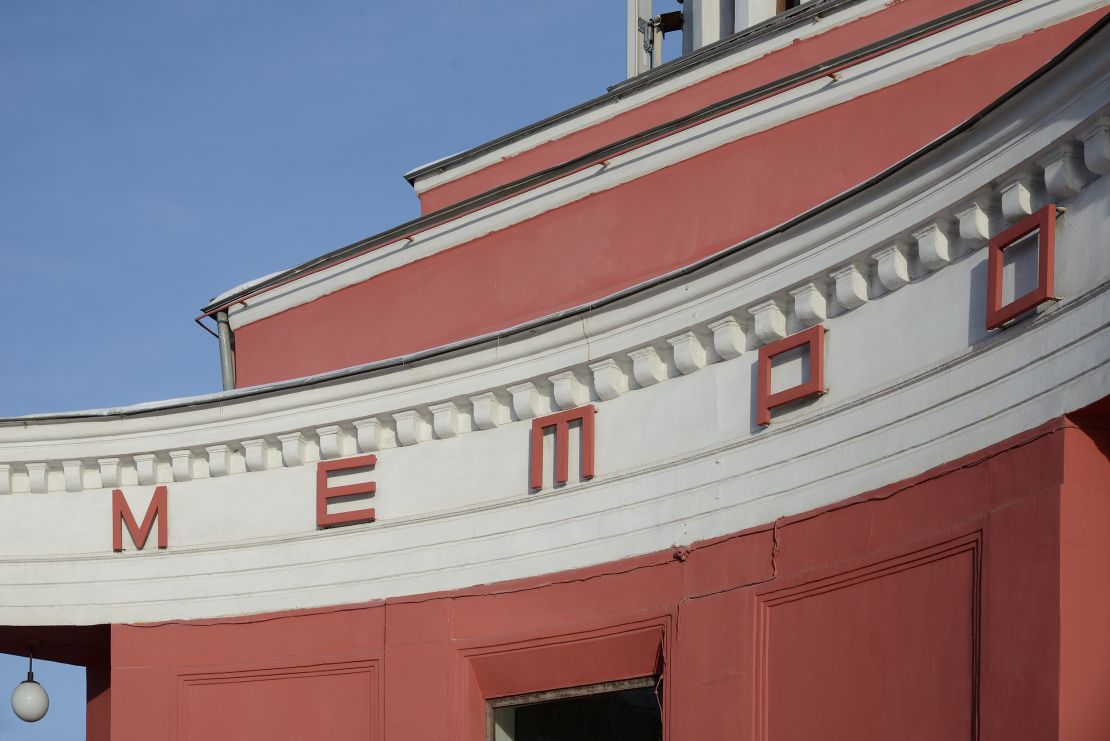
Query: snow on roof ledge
[244, 286]
[411, 173]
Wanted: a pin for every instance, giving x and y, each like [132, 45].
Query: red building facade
[771, 386]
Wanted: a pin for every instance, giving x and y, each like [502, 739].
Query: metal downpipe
[227, 350]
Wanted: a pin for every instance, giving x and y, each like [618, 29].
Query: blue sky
[156, 153]
[65, 721]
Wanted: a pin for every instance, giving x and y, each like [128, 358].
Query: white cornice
[963, 404]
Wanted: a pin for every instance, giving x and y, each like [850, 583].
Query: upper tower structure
[701, 22]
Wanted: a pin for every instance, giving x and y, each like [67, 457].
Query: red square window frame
[1043, 221]
[815, 338]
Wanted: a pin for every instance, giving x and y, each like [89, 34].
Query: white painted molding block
[38, 474]
[526, 400]
[1096, 145]
[570, 392]
[750, 12]
[333, 441]
[975, 222]
[770, 321]
[932, 245]
[637, 60]
[489, 410]
[850, 286]
[610, 380]
[74, 474]
[445, 420]
[647, 367]
[181, 463]
[219, 460]
[809, 304]
[109, 472]
[729, 340]
[412, 427]
[892, 267]
[706, 21]
[1019, 195]
[1064, 171]
[146, 468]
[5, 478]
[257, 454]
[689, 354]
[370, 434]
[292, 449]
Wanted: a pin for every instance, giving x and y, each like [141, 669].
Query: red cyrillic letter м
[121, 515]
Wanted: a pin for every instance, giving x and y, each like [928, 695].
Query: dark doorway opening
[629, 710]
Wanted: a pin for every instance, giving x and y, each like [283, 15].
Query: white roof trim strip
[642, 97]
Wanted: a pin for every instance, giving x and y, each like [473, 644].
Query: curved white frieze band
[678, 456]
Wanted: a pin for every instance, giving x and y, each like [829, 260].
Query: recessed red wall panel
[926, 609]
[620, 237]
[880, 652]
[330, 700]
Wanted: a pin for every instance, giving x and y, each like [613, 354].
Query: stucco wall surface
[896, 275]
[655, 209]
[939, 594]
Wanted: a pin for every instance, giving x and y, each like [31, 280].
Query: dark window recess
[595, 713]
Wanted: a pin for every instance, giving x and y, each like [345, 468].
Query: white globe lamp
[29, 700]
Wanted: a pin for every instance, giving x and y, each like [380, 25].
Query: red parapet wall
[950, 606]
[891, 20]
[600, 244]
